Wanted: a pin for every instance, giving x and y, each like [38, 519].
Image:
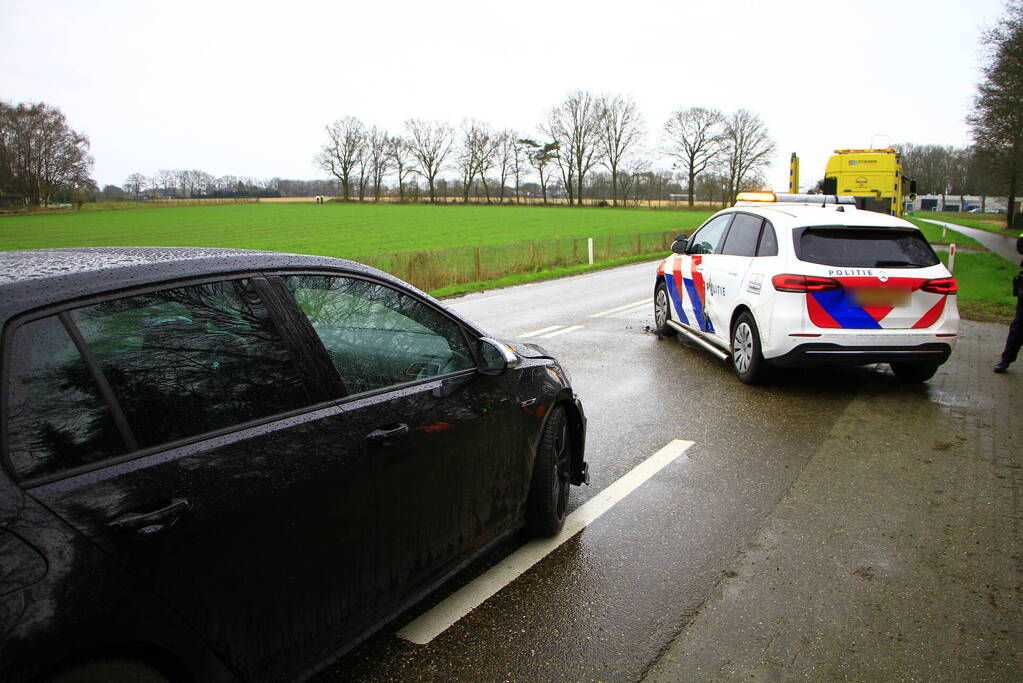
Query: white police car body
[793, 280]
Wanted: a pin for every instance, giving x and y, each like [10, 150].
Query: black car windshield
[864, 247]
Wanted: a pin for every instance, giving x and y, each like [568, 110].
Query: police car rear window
[864, 247]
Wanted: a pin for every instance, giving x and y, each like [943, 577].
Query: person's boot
[1001, 366]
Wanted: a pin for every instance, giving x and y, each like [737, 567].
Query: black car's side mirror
[679, 245]
[495, 357]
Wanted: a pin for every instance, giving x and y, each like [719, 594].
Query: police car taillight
[804, 284]
[945, 285]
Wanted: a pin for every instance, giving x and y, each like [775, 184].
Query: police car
[796, 280]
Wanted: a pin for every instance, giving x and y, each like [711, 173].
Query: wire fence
[430, 270]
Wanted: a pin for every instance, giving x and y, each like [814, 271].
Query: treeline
[588, 146]
[949, 170]
[184, 184]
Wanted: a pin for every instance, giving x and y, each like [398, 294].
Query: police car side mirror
[679, 245]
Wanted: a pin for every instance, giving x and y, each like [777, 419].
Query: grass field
[355, 231]
[985, 286]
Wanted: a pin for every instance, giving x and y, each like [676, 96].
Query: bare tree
[541, 156]
[630, 171]
[40, 154]
[473, 153]
[748, 149]
[430, 143]
[575, 126]
[343, 152]
[377, 145]
[694, 139]
[519, 162]
[400, 158]
[621, 129]
[505, 150]
[135, 184]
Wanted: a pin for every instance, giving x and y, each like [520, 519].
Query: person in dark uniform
[1015, 338]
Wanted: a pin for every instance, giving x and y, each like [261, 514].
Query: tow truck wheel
[662, 312]
[747, 360]
[913, 373]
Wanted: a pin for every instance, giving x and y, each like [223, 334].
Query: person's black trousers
[1015, 338]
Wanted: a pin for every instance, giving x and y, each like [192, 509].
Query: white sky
[245, 88]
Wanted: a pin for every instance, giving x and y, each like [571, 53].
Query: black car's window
[743, 235]
[864, 247]
[190, 360]
[57, 418]
[768, 241]
[708, 238]
[378, 336]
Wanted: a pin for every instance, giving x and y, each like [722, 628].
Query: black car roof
[34, 278]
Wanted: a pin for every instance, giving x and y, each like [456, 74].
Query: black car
[223, 464]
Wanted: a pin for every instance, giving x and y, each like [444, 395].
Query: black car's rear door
[173, 427]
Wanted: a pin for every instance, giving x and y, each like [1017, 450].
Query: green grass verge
[985, 286]
[334, 229]
[934, 235]
[992, 222]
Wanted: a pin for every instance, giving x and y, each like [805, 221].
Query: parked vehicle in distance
[797, 280]
[223, 464]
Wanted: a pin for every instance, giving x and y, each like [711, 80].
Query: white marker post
[952, 258]
[589, 247]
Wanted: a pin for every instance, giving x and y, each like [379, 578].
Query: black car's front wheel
[547, 505]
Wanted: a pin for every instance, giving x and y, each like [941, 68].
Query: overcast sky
[245, 88]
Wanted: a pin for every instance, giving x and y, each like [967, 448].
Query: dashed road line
[449, 611]
[542, 330]
[621, 309]
[573, 328]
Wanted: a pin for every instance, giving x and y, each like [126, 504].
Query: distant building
[955, 202]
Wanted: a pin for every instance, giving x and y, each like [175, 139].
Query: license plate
[881, 296]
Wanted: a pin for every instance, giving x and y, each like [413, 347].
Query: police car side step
[698, 339]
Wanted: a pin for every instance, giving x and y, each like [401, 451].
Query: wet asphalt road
[608, 602]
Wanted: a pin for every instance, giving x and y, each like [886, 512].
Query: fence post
[589, 248]
[476, 260]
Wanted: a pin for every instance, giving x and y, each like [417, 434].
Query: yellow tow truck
[872, 176]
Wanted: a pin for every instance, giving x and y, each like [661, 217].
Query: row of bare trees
[195, 183]
[584, 133]
[40, 154]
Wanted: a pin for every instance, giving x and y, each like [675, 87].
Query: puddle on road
[952, 399]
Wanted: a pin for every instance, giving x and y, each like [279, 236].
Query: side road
[898, 552]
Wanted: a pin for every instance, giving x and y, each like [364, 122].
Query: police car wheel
[913, 373]
[747, 360]
[662, 312]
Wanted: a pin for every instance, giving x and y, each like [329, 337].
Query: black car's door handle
[387, 432]
[152, 521]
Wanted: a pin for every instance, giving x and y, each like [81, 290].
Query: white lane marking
[542, 330]
[472, 301]
[573, 328]
[619, 309]
[448, 612]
